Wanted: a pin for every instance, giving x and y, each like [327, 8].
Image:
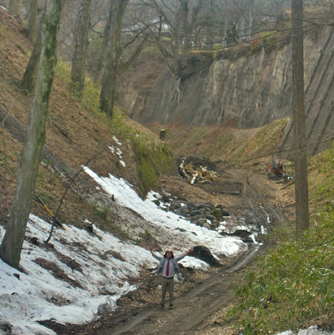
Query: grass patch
[294, 282]
[150, 163]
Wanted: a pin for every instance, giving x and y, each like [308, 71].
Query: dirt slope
[75, 133]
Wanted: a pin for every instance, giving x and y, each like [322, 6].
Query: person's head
[169, 254]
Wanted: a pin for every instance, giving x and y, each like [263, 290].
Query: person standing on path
[168, 267]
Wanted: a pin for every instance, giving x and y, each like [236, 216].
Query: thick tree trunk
[29, 76]
[15, 7]
[11, 246]
[80, 47]
[108, 92]
[298, 106]
[32, 20]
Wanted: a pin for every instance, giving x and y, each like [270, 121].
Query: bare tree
[103, 56]
[115, 64]
[299, 118]
[182, 18]
[11, 246]
[32, 19]
[80, 47]
[29, 77]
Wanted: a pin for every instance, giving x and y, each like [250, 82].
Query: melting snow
[103, 264]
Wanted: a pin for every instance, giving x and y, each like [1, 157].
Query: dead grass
[226, 143]
[75, 132]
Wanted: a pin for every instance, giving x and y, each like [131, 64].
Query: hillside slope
[77, 134]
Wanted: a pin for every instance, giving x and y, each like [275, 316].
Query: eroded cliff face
[255, 89]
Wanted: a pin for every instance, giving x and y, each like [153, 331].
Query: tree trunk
[106, 36]
[114, 52]
[80, 47]
[250, 26]
[32, 20]
[298, 106]
[15, 7]
[29, 76]
[11, 246]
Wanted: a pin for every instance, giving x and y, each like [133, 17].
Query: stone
[184, 210]
[175, 205]
[217, 213]
[205, 255]
[210, 217]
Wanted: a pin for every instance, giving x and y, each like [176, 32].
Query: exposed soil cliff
[254, 88]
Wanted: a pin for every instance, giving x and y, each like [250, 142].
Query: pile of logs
[197, 174]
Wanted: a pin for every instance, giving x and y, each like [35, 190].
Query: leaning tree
[11, 246]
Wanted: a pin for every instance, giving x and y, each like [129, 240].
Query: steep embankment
[76, 134]
[252, 86]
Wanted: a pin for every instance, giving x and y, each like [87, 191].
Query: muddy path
[190, 310]
[196, 298]
[266, 203]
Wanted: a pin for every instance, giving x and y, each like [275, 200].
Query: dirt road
[197, 298]
[190, 310]
[265, 200]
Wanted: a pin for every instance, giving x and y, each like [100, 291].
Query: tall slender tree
[115, 63]
[103, 56]
[182, 18]
[299, 118]
[11, 246]
[32, 20]
[81, 42]
[29, 77]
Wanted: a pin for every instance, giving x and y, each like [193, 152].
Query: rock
[207, 225]
[165, 198]
[201, 222]
[220, 207]
[210, 217]
[6, 327]
[184, 211]
[209, 205]
[176, 211]
[217, 213]
[205, 255]
[192, 206]
[243, 234]
[215, 224]
[175, 205]
[196, 212]
[225, 213]
[105, 308]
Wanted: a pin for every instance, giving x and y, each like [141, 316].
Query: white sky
[38, 295]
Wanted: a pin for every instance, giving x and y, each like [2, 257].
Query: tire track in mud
[197, 305]
[191, 310]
